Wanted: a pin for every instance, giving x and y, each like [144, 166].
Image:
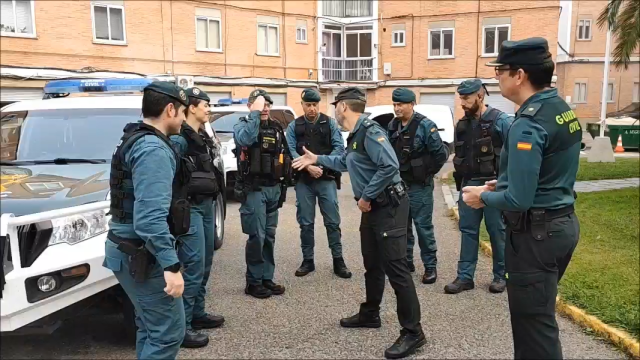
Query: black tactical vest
[200, 151]
[316, 138]
[267, 161]
[121, 182]
[414, 165]
[478, 147]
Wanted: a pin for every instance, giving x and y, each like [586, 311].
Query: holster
[458, 179]
[516, 221]
[239, 191]
[283, 194]
[140, 260]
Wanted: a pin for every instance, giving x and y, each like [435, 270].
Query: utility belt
[461, 179]
[243, 187]
[534, 220]
[392, 196]
[140, 258]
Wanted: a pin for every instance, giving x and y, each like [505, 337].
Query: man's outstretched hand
[305, 160]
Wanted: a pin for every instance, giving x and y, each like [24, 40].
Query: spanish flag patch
[524, 146]
[381, 139]
[433, 129]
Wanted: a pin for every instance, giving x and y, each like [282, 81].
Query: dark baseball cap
[169, 89]
[350, 93]
[196, 93]
[471, 86]
[530, 51]
[260, 92]
[310, 95]
[403, 95]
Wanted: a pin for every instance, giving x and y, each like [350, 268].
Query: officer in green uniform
[382, 198]
[421, 154]
[148, 179]
[319, 134]
[264, 169]
[479, 135]
[534, 190]
[196, 248]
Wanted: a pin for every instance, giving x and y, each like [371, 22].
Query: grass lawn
[603, 276]
[621, 169]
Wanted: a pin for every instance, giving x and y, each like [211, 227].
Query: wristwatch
[173, 268]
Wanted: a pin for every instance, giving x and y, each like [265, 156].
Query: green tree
[622, 17]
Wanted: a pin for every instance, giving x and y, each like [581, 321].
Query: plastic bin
[629, 128]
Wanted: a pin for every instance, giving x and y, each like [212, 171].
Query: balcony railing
[338, 69]
[347, 8]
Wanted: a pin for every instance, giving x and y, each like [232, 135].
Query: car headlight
[76, 228]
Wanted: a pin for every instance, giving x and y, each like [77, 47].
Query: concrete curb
[618, 337]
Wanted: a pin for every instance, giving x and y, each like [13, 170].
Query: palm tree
[623, 19]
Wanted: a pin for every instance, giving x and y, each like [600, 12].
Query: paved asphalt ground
[303, 323]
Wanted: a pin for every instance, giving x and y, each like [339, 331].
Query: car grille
[33, 239]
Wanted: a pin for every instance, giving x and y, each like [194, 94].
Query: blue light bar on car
[95, 85]
[233, 101]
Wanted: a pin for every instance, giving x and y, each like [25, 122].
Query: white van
[439, 114]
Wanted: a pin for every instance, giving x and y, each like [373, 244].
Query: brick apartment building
[231, 47]
[580, 63]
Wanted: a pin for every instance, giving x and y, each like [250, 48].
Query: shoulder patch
[434, 129]
[531, 109]
[381, 139]
[367, 124]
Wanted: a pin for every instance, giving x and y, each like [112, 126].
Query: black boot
[497, 286]
[430, 276]
[193, 339]
[207, 322]
[458, 285]
[361, 321]
[340, 268]
[306, 267]
[257, 291]
[406, 345]
[273, 287]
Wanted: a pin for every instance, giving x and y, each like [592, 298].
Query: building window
[580, 93]
[347, 8]
[16, 18]
[441, 43]
[397, 38]
[610, 92]
[108, 24]
[636, 92]
[208, 34]
[301, 31]
[584, 29]
[493, 37]
[268, 39]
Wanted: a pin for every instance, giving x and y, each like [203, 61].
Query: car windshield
[223, 122]
[64, 133]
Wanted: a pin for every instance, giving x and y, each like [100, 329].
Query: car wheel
[219, 219]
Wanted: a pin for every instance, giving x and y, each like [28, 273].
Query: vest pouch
[254, 161]
[266, 164]
[179, 217]
[206, 162]
[419, 170]
[459, 149]
[268, 144]
[203, 183]
[485, 157]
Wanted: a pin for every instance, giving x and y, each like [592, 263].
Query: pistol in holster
[140, 260]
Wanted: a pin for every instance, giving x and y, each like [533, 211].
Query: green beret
[403, 95]
[350, 93]
[196, 93]
[469, 86]
[260, 92]
[310, 95]
[531, 51]
[169, 89]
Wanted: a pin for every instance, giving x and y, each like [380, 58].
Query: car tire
[219, 216]
[129, 313]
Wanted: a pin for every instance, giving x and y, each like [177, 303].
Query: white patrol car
[55, 159]
[223, 118]
[439, 114]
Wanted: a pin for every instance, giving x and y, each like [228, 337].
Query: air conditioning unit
[184, 81]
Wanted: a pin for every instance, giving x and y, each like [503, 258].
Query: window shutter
[24, 21]
[262, 39]
[201, 34]
[117, 24]
[214, 34]
[6, 16]
[273, 40]
[101, 22]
